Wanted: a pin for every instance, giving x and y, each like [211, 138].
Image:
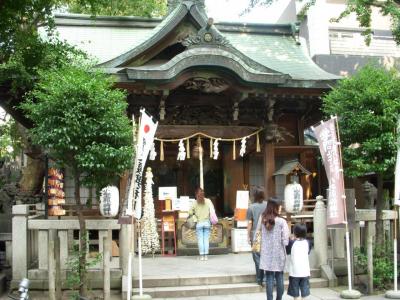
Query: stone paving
[189, 266]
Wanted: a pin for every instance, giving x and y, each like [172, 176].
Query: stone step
[215, 289]
[203, 279]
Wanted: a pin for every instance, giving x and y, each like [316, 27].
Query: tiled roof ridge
[67, 19]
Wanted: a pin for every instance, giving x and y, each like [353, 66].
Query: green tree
[24, 53]
[368, 105]
[361, 8]
[142, 8]
[81, 120]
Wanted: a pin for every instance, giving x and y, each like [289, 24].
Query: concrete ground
[316, 294]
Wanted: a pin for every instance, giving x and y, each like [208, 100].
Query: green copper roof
[280, 53]
[116, 41]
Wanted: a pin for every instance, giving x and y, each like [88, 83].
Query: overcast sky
[229, 10]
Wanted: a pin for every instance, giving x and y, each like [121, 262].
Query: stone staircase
[210, 285]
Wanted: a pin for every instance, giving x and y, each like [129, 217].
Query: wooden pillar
[303, 178]
[269, 169]
[233, 176]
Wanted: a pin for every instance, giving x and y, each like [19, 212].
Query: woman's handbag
[191, 222]
[256, 246]
[213, 216]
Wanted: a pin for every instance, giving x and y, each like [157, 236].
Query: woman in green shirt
[201, 209]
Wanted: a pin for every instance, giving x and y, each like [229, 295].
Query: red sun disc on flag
[146, 128]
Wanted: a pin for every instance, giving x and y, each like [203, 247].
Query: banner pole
[396, 177]
[350, 293]
[147, 128]
[140, 258]
[201, 163]
[395, 294]
[135, 137]
[395, 251]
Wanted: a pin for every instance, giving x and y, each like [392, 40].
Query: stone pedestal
[392, 294]
[124, 247]
[338, 243]
[43, 245]
[142, 297]
[20, 242]
[320, 233]
[350, 294]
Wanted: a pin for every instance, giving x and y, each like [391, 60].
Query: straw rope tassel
[162, 151]
[187, 149]
[258, 149]
[234, 150]
[211, 148]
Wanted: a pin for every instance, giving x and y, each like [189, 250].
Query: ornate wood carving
[198, 115]
[206, 38]
[207, 35]
[207, 85]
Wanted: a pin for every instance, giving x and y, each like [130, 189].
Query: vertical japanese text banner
[329, 148]
[397, 169]
[147, 130]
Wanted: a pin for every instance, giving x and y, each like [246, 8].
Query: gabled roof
[256, 53]
[290, 167]
[172, 20]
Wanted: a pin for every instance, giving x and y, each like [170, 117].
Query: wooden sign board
[168, 223]
[242, 199]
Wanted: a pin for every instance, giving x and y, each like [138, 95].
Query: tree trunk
[83, 241]
[31, 181]
[379, 207]
[32, 176]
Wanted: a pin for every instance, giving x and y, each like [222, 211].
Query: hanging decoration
[293, 198]
[55, 192]
[181, 153]
[234, 150]
[242, 147]
[109, 201]
[162, 151]
[215, 149]
[187, 149]
[150, 239]
[211, 148]
[153, 153]
[184, 152]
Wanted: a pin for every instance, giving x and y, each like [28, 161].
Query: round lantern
[293, 198]
[109, 201]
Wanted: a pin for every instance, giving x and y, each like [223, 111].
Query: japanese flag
[147, 130]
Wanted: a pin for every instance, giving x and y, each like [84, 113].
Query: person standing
[299, 265]
[201, 209]
[274, 239]
[253, 215]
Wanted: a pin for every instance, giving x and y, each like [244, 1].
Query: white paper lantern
[293, 198]
[109, 201]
